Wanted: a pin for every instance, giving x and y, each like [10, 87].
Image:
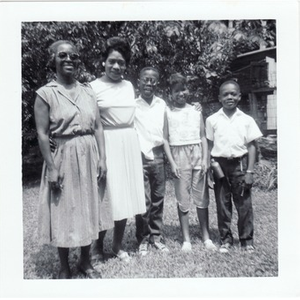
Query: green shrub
[265, 176]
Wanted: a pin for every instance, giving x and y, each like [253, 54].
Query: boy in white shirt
[231, 136]
[150, 123]
[189, 150]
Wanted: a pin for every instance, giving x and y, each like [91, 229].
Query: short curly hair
[52, 52]
[118, 44]
[177, 78]
[230, 81]
[154, 69]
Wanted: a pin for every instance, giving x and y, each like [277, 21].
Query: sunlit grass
[42, 261]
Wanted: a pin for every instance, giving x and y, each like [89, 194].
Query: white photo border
[286, 284]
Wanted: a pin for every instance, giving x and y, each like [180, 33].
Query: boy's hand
[53, 145]
[175, 170]
[248, 180]
[204, 166]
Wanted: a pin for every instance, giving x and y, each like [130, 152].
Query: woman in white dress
[125, 187]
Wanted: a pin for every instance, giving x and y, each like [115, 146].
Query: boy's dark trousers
[231, 187]
[149, 225]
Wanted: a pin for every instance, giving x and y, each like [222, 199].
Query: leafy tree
[202, 50]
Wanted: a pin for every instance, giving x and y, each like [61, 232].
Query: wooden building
[256, 73]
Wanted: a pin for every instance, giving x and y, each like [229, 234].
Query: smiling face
[147, 84]
[179, 94]
[66, 60]
[229, 96]
[115, 66]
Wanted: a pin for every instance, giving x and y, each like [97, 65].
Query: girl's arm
[205, 154]
[210, 145]
[175, 170]
[41, 114]
[99, 135]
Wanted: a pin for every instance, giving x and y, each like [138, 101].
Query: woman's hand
[197, 106]
[175, 170]
[54, 179]
[102, 169]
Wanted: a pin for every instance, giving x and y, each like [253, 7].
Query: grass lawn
[41, 262]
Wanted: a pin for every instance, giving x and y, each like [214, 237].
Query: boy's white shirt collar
[237, 112]
[219, 149]
[154, 100]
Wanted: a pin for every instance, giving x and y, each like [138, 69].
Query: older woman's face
[115, 66]
[66, 60]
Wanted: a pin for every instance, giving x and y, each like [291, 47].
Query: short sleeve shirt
[149, 123]
[69, 116]
[230, 136]
[184, 125]
[116, 102]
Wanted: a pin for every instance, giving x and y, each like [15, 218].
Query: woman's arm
[99, 135]
[41, 114]
[205, 154]
[175, 170]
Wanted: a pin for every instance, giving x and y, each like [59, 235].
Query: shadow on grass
[42, 262]
[47, 262]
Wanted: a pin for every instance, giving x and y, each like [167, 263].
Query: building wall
[271, 71]
[272, 111]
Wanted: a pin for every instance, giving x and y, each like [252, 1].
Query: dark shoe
[225, 248]
[90, 273]
[64, 274]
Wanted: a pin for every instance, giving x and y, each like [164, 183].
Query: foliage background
[202, 50]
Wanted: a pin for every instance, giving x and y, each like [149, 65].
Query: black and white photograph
[151, 148]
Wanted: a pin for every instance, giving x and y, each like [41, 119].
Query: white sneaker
[143, 249]
[186, 247]
[123, 256]
[225, 248]
[209, 245]
[161, 246]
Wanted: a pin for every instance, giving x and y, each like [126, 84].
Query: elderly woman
[69, 201]
[125, 183]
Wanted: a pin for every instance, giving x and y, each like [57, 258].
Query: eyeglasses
[120, 62]
[152, 81]
[64, 55]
